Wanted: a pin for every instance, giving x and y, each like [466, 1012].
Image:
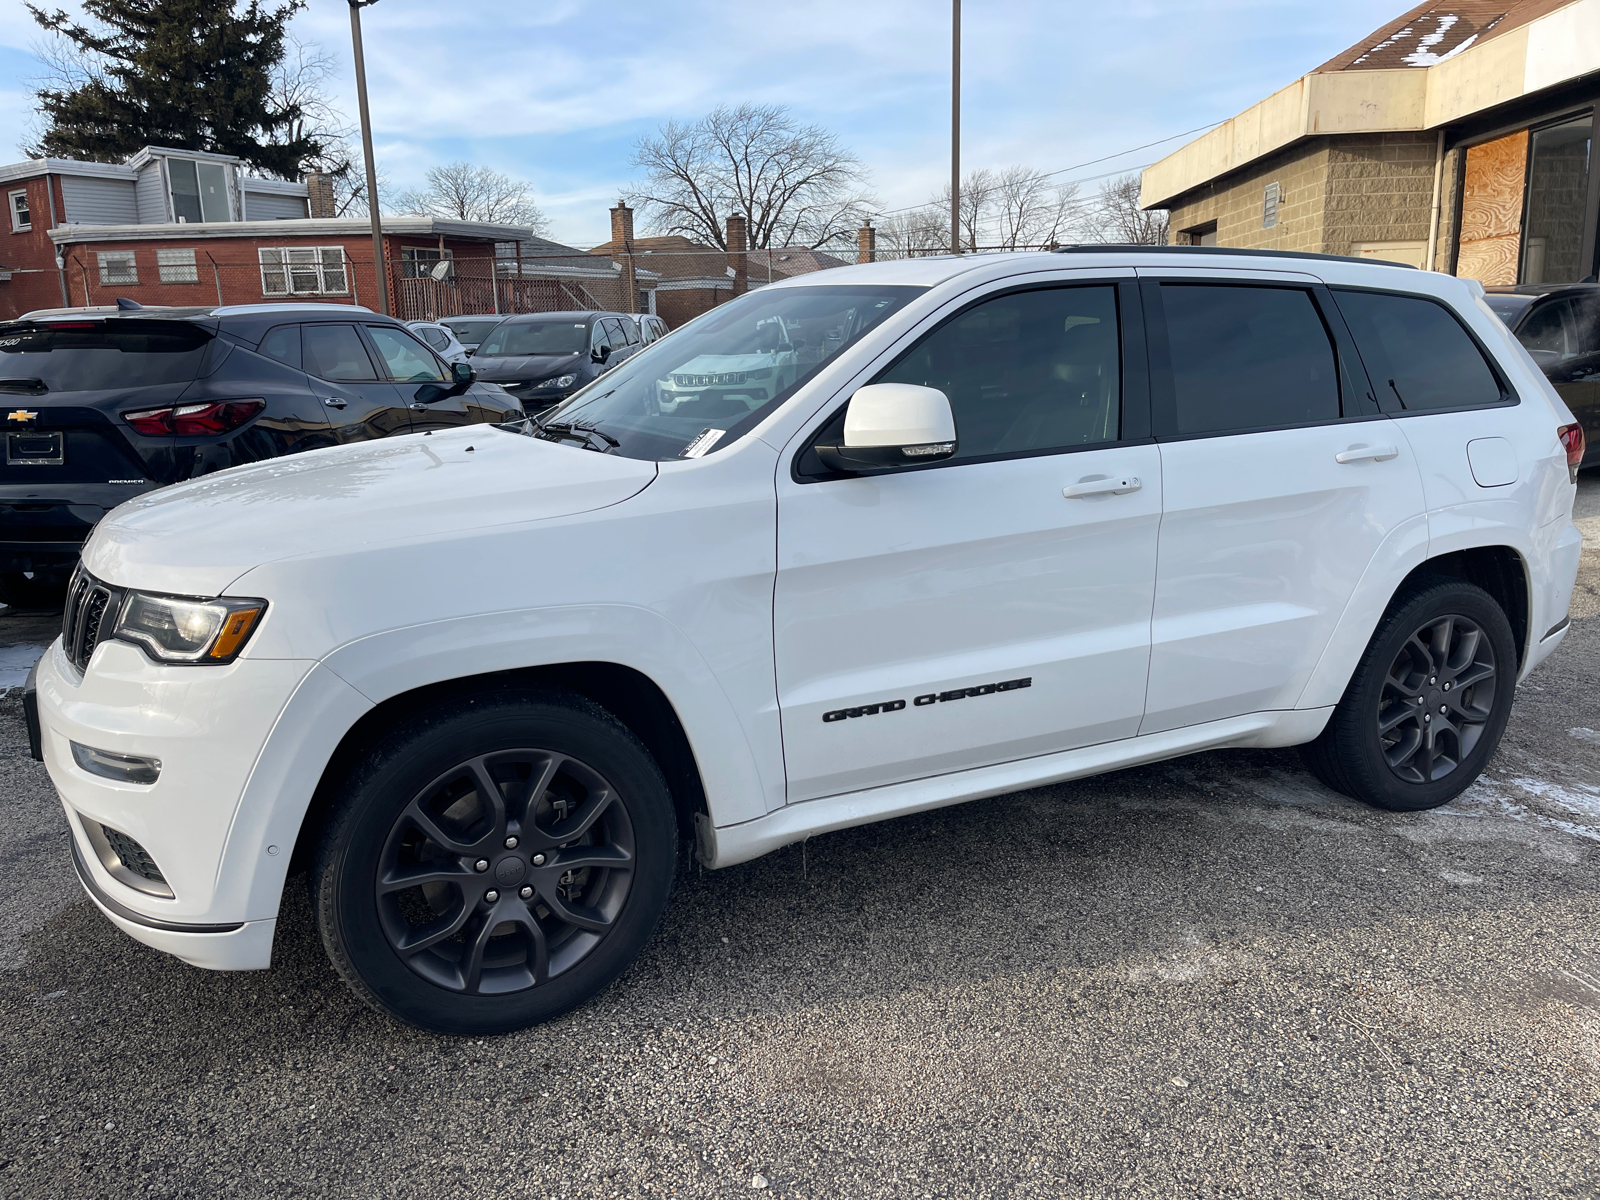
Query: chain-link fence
[426, 285]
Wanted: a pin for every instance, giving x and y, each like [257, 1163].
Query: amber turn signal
[235, 629]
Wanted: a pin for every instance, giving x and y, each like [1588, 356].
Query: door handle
[1117, 484]
[1362, 452]
[335, 402]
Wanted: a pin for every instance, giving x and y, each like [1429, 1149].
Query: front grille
[134, 856]
[88, 617]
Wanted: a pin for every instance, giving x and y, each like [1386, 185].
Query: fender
[364, 673]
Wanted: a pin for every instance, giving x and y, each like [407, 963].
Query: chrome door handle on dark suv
[335, 402]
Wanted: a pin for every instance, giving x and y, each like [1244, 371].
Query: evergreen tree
[189, 74]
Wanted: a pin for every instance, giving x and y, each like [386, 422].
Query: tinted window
[1507, 307]
[471, 329]
[336, 352]
[1416, 352]
[1586, 323]
[404, 358]
[1246, 358]
[1549, 329]
[1030, 371]
[535, 337]
[434, 337]
[613, 335]
[630, 330]
[86, 356]
[283, 344]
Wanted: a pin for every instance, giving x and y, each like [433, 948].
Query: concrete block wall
[1379, 189]
[1236, 205]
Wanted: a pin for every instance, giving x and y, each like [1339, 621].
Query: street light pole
[955, 126]
[366, 149]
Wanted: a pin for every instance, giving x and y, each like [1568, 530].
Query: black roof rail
[1137, 248]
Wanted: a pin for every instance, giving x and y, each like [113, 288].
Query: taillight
[1572, 442]
[194, 420]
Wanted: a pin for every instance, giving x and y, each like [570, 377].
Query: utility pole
[378, 265]
[955, 126]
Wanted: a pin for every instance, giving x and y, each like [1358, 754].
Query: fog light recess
[124, 768]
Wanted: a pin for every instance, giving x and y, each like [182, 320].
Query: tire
[38, 590]
[555, 798]
[1427, 704]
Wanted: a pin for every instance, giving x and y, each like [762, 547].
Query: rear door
[361, 403]
[1282, 482]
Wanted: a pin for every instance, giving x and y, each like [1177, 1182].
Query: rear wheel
[495, 862]
[1428, 703]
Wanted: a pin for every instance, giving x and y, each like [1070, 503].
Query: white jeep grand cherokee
[1019, 519]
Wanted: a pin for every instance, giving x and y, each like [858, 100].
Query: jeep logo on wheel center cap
[510, 871]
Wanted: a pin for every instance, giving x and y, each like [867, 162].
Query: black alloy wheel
[520, 878]
[1437, 699]
[1427, 704]
[505, 871]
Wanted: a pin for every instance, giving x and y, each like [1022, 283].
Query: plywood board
[1491, 210]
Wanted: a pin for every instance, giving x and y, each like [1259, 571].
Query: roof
[1434, 66]
[684, 263]
[1431, 33]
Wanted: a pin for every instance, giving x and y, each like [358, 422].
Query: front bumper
[207, 726]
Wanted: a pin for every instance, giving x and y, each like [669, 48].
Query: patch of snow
[1585, 735]
[15, 663]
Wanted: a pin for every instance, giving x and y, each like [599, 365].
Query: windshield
[1507, 307]
[718, 376]
[536, 337]
[92, 356]
[472, 330]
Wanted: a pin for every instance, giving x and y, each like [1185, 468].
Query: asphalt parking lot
[1210, 977]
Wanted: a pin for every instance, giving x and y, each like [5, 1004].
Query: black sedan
[542, 358]
[1560, 326]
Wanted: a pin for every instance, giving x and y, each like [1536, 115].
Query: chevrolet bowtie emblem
[22, 414]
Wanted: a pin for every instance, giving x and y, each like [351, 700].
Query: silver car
[442, 338]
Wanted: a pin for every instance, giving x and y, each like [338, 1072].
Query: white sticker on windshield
[703, 441]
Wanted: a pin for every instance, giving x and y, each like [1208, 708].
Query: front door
[995, 606]
[1281, 480]
[361, 404]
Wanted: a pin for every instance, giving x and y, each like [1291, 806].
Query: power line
[1079, 166]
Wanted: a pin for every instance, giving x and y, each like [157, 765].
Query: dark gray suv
[542, 358]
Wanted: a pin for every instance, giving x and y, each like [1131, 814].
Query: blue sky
[558, 91]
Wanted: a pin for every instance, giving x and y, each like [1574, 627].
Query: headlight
[560, 381]
[188, 631]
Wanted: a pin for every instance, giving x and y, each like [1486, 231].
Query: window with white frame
[177, 266]
[21, 218]
[304, 271]
[118, 266]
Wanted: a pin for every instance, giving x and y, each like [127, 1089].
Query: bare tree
[1030, 212]
[1116, 216]
[464, 192]
[977, 207]
[794, 184]
[915, 231]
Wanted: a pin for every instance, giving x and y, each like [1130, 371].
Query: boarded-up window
[1491, 210]
[177, 266]
[117, 266]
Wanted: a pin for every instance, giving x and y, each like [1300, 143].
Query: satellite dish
[441, 270]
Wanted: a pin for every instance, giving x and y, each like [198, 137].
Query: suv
[1017, 519]
[1560, 326]
[106, 404]
[542, 358]
[651, 328]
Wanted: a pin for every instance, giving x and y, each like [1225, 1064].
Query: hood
[196, 538]
[528, 366]
[721, 364]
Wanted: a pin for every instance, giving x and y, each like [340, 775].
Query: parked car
[1560, 326]
[441, 339]
[470, 331]
[651, 327]
[542, 358]
[106, 404]
[1014, 519]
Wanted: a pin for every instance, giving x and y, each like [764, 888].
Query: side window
[283, 344]
[1037, 370]
[597, 336]
[1548, 329]
[405, 360]
[336, 352]
[630, 330]
[434, 338]
[1245, 358]
[615, 338]
[1586, 323]
[1417, 353]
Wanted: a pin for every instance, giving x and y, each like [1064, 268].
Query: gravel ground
[1210, 977]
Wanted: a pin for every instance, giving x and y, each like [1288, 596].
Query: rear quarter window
[1417, 353]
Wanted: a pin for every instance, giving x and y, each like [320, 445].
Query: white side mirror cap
[898, 414]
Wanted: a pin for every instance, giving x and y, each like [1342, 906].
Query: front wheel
[495, 862]
[1427, 704]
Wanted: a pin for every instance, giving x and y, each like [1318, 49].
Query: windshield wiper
[575, 431]
[33, 387]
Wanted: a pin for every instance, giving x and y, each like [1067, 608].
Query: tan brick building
[1456, 137]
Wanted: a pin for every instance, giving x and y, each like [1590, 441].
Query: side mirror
[893, 425]
[599, 354]
[462, 373]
